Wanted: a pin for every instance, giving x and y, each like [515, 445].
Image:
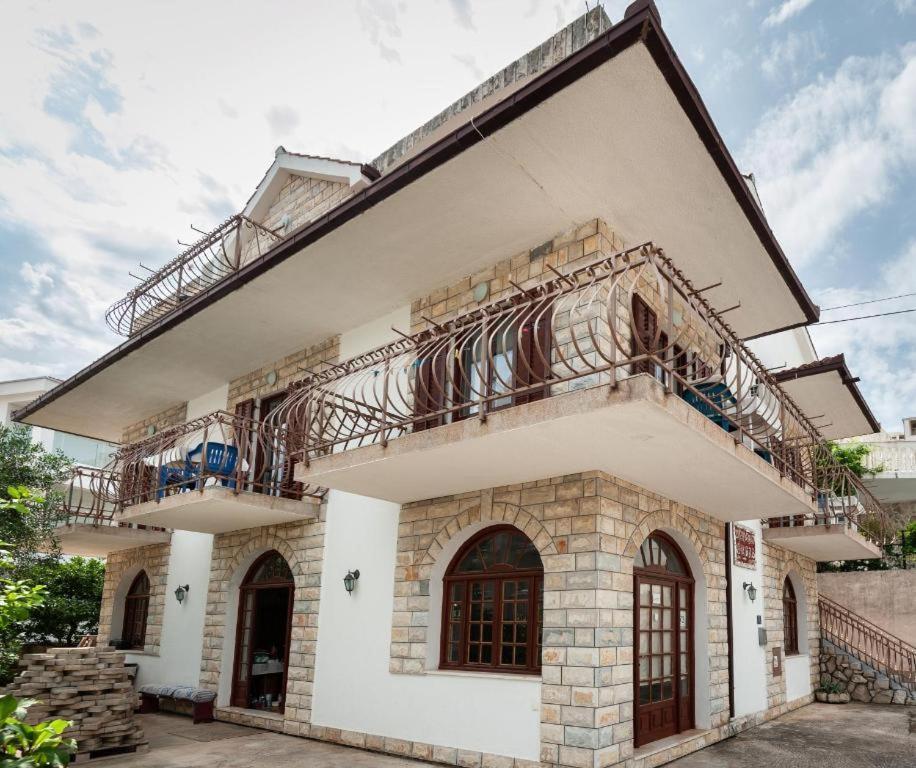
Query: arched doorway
[263, 634]
[136, 609]
[663, 634]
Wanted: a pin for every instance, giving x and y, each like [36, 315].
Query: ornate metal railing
[212, 258]
[633, 312]
[90, 497]
[219, 449]
[868, 642]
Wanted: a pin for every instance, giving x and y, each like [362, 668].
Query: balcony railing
[217, 450]
[212, 258]
[630, 313]
[90, 497]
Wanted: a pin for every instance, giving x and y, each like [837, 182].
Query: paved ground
[175, 742]
[819, 736]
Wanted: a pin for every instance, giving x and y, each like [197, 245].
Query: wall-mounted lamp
[751, 590]
[350, 581]
[181, 593]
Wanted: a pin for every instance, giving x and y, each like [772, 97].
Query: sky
[124, 125]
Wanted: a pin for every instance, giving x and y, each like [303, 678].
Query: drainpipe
[730, 632]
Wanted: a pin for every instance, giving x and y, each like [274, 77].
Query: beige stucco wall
[885, 598]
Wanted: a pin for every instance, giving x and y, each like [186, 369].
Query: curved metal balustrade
[633, 312]
[212, 258]
[219, 449]
[90, 497]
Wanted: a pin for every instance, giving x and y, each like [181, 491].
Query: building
[893, 460]
[464, 454]
[17, 393]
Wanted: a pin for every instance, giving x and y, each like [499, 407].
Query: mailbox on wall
[777, 662]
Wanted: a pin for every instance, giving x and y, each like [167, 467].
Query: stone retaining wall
[859, 680]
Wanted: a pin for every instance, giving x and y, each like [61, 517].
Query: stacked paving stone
[86, 685]
[860, 680]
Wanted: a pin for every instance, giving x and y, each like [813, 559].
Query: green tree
[28, 528]
[71, 608]
[23, 745]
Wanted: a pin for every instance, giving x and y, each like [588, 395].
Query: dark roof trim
[836, 363]
[641, 23]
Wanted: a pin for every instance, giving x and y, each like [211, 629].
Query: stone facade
[779, 563]
[302, 545]
[587, 528]
[120, 569]
[89, 686]
[859, 680]
[289, 369]
[177, 414]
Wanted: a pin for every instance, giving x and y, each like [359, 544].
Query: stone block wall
[778, 563]
[859, 680]
[302, 545]
[288, 369]
[587, 528]
[120, 569]
[86, 685]
[177, 414]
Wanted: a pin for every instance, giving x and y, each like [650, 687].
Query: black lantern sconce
[181, 593]
[350, 581]
[751, 590]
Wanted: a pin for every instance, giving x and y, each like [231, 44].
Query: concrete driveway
[817, 736]
[175, 742]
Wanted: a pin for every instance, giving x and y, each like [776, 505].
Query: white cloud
[882, 351]
[785, 11]
[835, 149]
[790, 56]
[283, 120]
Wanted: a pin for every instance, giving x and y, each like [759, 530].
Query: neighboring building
[17, 393]
[460, 464]
[894, 454]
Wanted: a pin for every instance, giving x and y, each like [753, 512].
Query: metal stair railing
[865, 640]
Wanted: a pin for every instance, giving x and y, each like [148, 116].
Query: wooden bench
[184, 699]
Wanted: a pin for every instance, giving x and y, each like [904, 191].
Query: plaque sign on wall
[745, 547]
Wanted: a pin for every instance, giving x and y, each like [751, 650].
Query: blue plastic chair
[720, 395]
[220, 460]
[173, 479]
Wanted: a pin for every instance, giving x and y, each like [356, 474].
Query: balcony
[214, 474]
[215, 256]
[90, 525]
[218, 473]
[621, 365]
[833, 532]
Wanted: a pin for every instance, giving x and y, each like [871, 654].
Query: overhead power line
[866, 317]
[870, 301]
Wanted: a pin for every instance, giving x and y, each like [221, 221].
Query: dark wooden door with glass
[263, 635]
[663, 606]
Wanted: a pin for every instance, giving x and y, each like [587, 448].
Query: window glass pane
[472, 562]
[273, 568]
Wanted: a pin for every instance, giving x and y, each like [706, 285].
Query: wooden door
[663, 621]
[241, 682]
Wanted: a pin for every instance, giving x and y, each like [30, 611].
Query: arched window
[136, 607]
[789, 618]
[492, 604]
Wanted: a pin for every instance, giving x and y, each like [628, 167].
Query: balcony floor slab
[823, 543]
[635, 431]
[219, 510]
[88, 540]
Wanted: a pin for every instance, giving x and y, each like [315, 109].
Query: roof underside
[606, 134]
[827, 392]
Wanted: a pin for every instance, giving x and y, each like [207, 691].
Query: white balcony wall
[354, 639]
[750, 657]
[181, 645]
[212, 401]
